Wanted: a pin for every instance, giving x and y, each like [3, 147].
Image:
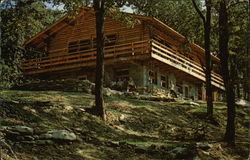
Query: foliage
[179, 15]
[239, 54]
[18, 23]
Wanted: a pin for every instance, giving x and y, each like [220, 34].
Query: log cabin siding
[84, 29]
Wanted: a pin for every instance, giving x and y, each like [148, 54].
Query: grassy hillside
[135, 129]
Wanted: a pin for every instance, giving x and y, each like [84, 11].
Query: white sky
[60, 7]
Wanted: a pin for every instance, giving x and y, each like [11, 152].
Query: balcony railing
[65, 60]
[170, 57]
[141, 49]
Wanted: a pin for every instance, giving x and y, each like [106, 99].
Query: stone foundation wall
[140, 75]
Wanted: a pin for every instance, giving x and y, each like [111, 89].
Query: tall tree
[224, 56]
[234, 55]
[20, 20]
[208, 67]
[98, 109]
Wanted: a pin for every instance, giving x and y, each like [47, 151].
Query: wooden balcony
[64, 60]
[126, 51]
[170, 57]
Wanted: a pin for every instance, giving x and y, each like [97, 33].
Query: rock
[25, 138]
[23, 129]
[191, 103]
[59, 135]
[111, 144]
[117, 93]
[107, 92]
[179, 153]
[203, 146]
[122, 118]
[203, 155]
[194, 104]
[44, 142]
[155, 98]
[33, 111]
[29, 142]
[243, 103]
[29, 138]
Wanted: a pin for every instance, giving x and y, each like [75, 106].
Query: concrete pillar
[215, 96]
[203, 92]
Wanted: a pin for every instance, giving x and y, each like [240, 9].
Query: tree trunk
[207, 28]
[98, 109]
[228, 81]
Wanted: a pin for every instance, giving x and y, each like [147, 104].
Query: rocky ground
[54, 125]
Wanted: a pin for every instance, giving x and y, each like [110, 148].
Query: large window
[79, 45]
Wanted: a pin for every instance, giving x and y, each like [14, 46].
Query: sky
[60, 7]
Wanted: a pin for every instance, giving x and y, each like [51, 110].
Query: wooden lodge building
[150, 52]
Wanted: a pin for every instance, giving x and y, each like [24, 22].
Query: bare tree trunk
[98, 109]
[228, 81]
[207, 29]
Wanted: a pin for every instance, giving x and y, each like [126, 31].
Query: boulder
[107, 92]
[194, 104]
[23, 129]
[179, 153]
[42, 142]
[59, 135]
[122, 118]
[191, 103]
[243, 103]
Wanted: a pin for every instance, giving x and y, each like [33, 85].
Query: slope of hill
[54, 125]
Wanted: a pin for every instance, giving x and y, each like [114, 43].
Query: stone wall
[140, 75]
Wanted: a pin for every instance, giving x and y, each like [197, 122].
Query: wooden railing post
[133, 50]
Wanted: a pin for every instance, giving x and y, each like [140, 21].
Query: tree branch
[199, 11]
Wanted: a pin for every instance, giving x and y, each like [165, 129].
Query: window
[79, 45]
[164, 81]
[152, 77]
[86, 44]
